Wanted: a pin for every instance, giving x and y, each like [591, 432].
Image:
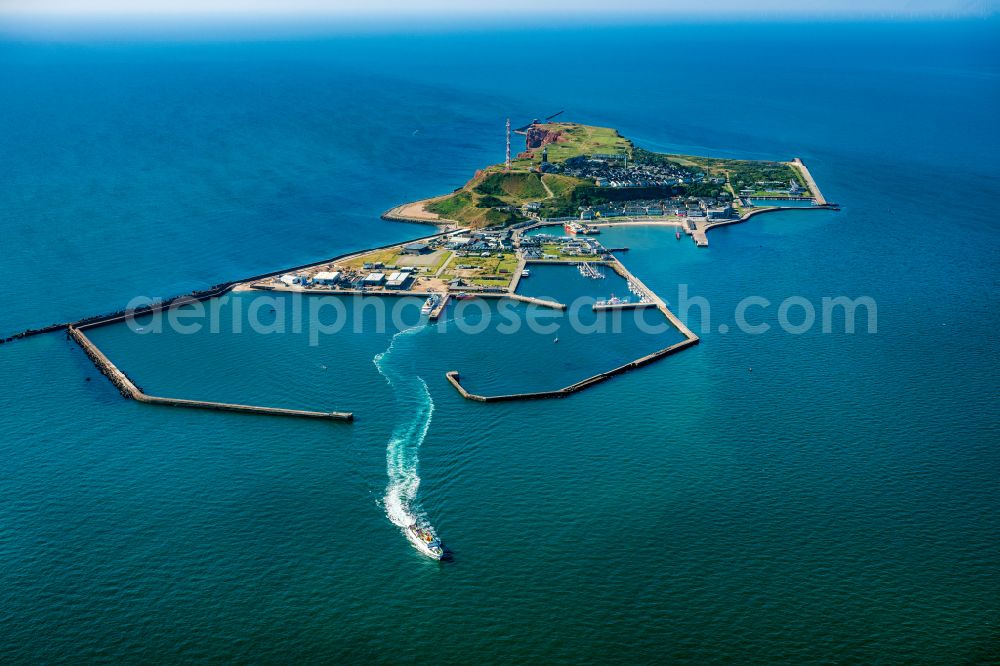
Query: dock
[655, 300]
[598, 307]
[813, 187]
[453, 378]
[439, 308]
[129, 390]
[651, 300]
[555, 305]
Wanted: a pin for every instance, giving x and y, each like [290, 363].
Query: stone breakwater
[454, 378]
[129, 389]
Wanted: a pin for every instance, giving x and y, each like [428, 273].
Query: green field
[480, 202]
[562, 186]
[486, 271]
[742, 173]
[558, 249]
[513, 187]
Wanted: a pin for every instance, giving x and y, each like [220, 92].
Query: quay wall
[128, 389]
[201, 295]
[454, 378]
[769, 209]
[813, 187]
[415, 294]
[622, 306]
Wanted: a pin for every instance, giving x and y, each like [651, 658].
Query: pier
[555, 305]
[454, 378]
[813, 187]
[129, 390]
[439, 308]
[623, 306]
[654, 300]
[651, 300]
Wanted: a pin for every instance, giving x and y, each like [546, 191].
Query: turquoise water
[839, 502]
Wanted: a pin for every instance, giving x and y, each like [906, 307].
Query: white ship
[430, 304]
[425, 540]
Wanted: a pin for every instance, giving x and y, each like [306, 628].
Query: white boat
[614, 300]
[425, 540]
[525, 273]
[429, 304]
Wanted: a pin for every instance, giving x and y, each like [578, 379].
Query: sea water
[767, 496]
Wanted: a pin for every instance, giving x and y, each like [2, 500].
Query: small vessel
[425, 540]
[429, 304]
[556, 340]
[463, 296]
[614, 300]
[577, 228]
[678, 234]
[587, 270]
[525, 273]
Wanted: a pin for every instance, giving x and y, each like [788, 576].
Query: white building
[288, 279]
[327, 277]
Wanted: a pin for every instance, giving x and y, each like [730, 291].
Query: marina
[458, 263]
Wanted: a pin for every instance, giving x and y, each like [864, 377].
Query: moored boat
[429, 304]
[614, 300]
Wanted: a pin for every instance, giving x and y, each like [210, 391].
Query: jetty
[813, 187]
[439, 308]
[649, 299]
[129, 390]
[442, 280]
[454, 378]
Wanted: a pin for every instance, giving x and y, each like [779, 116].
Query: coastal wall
[813, 187]
[201, 295]
[655, 301]
[129, 390]
[453, 378]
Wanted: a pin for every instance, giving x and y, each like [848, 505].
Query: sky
[333, 8]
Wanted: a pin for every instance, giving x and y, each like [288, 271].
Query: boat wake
[402, 451]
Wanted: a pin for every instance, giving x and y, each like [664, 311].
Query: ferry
[426, 541]
[614, 300]
[429, 304]
[577, 228]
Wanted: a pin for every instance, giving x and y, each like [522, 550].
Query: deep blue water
[838, 502]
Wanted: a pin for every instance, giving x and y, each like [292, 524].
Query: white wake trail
[402, 451]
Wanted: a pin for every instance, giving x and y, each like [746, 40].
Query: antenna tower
[508, 145]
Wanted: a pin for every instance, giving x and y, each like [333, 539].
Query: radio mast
[508, 145]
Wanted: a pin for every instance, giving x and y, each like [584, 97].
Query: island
[576, 177]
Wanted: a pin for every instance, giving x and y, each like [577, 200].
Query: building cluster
[372, 275]
[706, 207]
[573, 246]
[792, 188]
[609, 171]
[480, 242]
